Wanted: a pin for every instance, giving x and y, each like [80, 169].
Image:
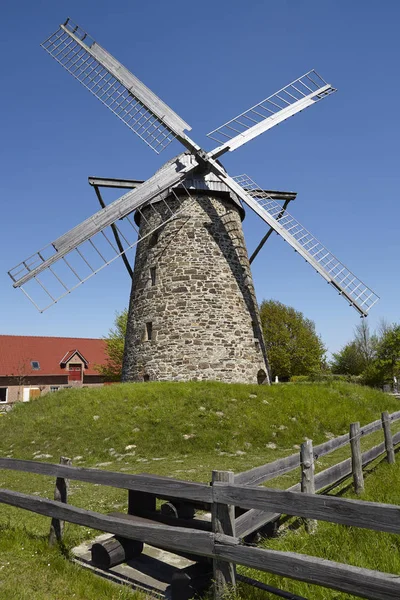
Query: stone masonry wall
[193, 314]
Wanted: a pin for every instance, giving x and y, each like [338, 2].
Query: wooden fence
[222, 539]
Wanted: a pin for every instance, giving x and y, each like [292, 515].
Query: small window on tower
[35, 365]
[154, 238]
[149, 331]
[153, 275]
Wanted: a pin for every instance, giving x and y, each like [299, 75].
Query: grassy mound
[175, 419]
[184, 430]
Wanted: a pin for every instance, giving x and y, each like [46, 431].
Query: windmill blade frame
[163, 180]
[60, 277]
[283, 104]
[359, 295]
[157, 124]
[116, 87]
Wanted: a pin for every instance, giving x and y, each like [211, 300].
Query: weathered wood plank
[60, 494]
[332, 474]
[151, 521]
[396, 438]
[395, 416]
[193, 503]
[372, 453]
[356, 458]
[307, 467]
[174, 538]
[330, 445]
[364, 583]
[343, 469]
[223, 521]
[357, 513]
[342, 440]
[158, 517]
[253, 519]
[162, 487]
[268, 471]
[307, 478]
[388, 437]
[289, 463]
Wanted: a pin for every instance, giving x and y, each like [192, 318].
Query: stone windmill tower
[193, 312]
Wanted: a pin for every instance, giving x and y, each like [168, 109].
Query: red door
[75, 373]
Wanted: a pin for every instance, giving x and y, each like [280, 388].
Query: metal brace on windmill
[193, 313]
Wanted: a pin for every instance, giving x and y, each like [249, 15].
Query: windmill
[193, 312]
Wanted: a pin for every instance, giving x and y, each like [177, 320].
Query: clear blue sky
[209, 61]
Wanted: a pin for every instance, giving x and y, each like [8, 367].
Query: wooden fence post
[307, 478]
[61, 495]
[223, 521]
[388, 437]
[356, 459]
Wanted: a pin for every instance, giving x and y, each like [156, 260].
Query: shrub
[299, 378]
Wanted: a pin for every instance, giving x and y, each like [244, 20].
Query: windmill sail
[324, 262]
[87, 248]
[295, 97]
[123, 93]
[56, 279]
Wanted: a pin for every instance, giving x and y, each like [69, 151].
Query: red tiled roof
[70, 354]
[17, 352]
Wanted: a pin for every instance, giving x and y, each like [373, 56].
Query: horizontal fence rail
[256, 518]
[289, 463]
[365, 583]
[222, 539]
[175, 538]
[361, 582]
[356, 513]
[164, 487]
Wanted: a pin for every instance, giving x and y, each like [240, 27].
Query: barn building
[31, 366]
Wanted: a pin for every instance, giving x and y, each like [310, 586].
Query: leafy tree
[356, 356]
[349, 360]
[388, 352]
[366, 342]
[373, 375]
[115, 342]
[376, 357]
[292, 344]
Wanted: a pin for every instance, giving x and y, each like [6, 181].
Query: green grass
[350, 545]
[184, 430]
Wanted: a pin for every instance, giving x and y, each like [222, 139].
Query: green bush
[299, 379]
[329, 377]
[373, 375]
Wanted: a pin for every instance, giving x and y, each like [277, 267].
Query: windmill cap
[200, 181]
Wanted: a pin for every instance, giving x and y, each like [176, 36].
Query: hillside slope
[184, 430]
[173, 419]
